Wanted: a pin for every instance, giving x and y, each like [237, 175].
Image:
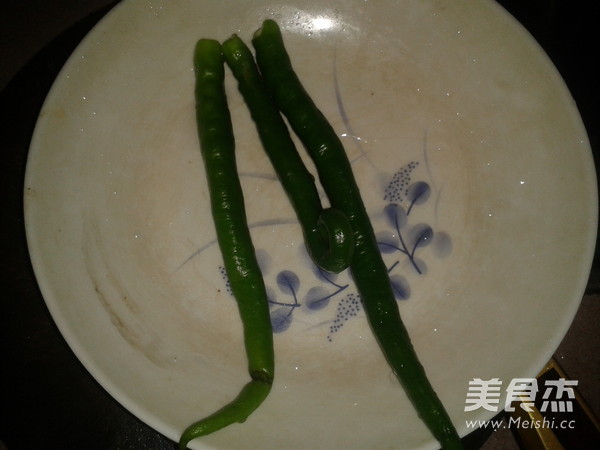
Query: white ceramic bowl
[451, 100]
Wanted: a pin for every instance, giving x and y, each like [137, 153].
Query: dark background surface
[47, 399]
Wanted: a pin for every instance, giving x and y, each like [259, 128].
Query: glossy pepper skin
[368, 269]
[227, 205]
[327, 232]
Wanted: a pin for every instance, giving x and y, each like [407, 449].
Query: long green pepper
[327, 232]
[368, 269]
[227, 204]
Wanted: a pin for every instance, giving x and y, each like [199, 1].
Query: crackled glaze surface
[472, 162]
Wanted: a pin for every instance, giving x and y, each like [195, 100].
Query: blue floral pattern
[399, 241]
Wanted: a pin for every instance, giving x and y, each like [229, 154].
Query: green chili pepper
[327, 233]
[368, 269]
[227, 204]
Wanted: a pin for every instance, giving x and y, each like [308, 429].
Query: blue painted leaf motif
[281, 318]
[442, 244]
[317, 298]
[418, 193]
[387, 242]
[396, 215]
[421, 235]
[322, 275]
[271, 296]
[420, 265]
[400, 287]
[264, 260]
[288, 282]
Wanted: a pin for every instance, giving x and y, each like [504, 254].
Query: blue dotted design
[396, 190]
[225, 278]
[348, 307]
